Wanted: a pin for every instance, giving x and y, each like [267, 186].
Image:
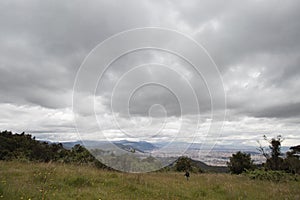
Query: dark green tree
[274, 161]
[24, 147]
[295, 151]
[240, 162]
[292, 161]
[183, 163]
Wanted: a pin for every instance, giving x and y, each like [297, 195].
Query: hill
[209, 168]
[196, 166]
[23, 180]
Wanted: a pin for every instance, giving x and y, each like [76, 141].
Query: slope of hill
[209, 168]
[199, 166]
[19, 180]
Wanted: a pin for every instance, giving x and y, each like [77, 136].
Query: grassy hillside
[66, 181]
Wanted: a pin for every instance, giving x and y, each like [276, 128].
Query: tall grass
[58, 181]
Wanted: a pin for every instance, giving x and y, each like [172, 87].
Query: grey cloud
[255, 44]
[281, 111]
[44, 43]
[183, 85]
[247, 28]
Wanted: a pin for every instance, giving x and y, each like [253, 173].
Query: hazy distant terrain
[217, 156]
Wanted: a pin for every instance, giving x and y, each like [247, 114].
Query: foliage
[183, 164]
[271, 175]
[240, 162]
[295, 151]
[274, 160]
[292, 162]
[25, 148]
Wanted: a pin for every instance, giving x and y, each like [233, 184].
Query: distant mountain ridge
[144, 146]
[141, 146]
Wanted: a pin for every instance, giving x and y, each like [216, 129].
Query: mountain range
[144, 146]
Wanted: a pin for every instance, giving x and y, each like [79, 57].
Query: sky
[246, 83]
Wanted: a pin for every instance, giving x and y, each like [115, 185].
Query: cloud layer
[255, 45]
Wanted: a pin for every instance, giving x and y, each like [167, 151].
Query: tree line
[24, 147]
[275, 160]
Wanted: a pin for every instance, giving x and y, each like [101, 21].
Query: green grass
[57, 181]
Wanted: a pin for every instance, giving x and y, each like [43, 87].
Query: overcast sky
[254, 44]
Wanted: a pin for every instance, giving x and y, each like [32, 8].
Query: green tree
[274, 161]
[24, 147]
[292, 161]
[240, 162]
[295, 151]
[183, 163]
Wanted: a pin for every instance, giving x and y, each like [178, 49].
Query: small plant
[43, 178]
[78, 182]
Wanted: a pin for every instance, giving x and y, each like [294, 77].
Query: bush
[183, 163]
[240, 162]
[271, 175]
[23, 147]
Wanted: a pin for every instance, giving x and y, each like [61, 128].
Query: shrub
[183, 163]
[271, 175]
[240, 162]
